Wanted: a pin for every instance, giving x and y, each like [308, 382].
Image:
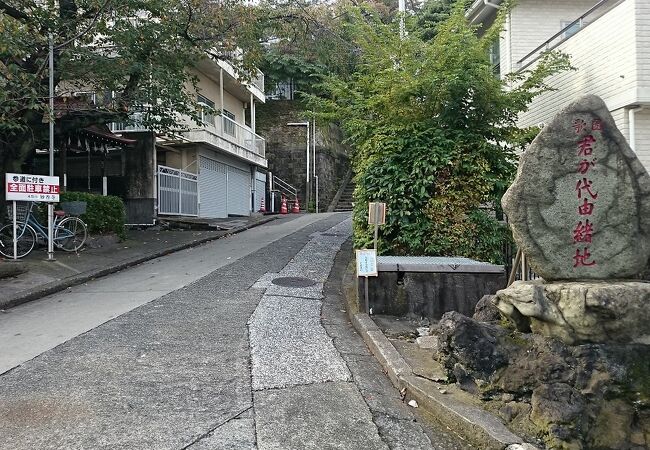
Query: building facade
[212, 169]
[608, 42]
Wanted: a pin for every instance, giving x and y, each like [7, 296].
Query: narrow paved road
[238, 355]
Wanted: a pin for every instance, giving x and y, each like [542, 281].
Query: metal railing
[243, 136]
[258, 80]
[135, 124]
[283, 187]
[558, 38]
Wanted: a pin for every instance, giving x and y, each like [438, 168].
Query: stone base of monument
[580, 312]
[589, 396]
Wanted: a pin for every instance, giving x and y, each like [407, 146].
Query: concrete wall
[209, 88]
[425, 294]
[286, 149]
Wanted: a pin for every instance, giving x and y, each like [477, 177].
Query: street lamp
[305, 124]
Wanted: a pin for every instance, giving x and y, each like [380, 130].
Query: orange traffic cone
[283, 206]
[296, 206]
[262, 207]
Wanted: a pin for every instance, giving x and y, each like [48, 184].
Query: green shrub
[104, 214]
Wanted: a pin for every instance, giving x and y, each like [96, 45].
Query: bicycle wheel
[70, 234]
[26, 240]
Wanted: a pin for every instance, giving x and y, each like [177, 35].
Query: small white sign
[32, 188]
[367, 263]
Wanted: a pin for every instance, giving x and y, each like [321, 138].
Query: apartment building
[215, 168]
[609, 45]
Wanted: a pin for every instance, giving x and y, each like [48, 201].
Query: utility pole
[402, 13]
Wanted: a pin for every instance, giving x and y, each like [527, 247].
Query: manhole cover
[293, 282]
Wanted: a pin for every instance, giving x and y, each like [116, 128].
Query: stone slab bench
[425, 286]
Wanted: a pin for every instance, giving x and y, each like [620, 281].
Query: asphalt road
[204, 349]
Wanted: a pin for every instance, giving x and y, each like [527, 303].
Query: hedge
[104, 214]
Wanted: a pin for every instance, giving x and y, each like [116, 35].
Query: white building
[609, 45]
[215, 168]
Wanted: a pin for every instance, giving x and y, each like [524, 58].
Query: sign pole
[365, 285]
[376, 224]
[50, 206]
[15, 231]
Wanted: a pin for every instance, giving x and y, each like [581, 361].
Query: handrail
[285, 187]
[545, 44]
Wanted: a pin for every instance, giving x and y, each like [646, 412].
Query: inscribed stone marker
[579, 207]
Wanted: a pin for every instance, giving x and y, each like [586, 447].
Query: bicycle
[69, 232]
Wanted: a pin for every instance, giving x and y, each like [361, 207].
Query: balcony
[227, 135]
[216, 131]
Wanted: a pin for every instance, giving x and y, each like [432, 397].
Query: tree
[311, 41]
[429, 18]
[434, 133]
[133, 53]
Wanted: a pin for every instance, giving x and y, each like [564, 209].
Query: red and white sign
[32, 188]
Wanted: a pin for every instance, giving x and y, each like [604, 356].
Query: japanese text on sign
[32, 188]
[586, 192]
[366, 263]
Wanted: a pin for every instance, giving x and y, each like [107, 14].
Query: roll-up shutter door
[213, 186]
[239, 191]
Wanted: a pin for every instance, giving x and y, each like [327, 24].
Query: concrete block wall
[286, 149]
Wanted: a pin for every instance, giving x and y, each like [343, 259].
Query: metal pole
[308, 196]
[270, 175]
[376, 224]
[316, 178]
[15, 237]
[367, 300]
[313, 160]
[50, 206]
[402, 13]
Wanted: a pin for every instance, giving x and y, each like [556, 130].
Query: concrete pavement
[183, 370]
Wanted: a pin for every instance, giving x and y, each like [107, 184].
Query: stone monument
[579, 209]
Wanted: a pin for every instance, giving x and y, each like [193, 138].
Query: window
[206, 109]
[229, 123]
[495, 57]
[569, 27]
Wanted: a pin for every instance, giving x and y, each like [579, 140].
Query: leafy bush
[434, 133]
[104, 214]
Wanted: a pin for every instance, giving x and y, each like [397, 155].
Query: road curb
[475, 424]
[60, 285]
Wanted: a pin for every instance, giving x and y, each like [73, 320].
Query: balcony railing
[258, 81]
[565, 33]
[224, 131]
[218, 125]
[135, 124]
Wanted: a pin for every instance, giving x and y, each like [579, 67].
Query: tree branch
[13, 12]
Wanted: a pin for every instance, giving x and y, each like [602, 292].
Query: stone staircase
[345, 201]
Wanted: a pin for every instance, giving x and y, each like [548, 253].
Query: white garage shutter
[213, 182]
[239, 192]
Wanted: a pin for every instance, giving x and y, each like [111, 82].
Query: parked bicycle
[69, 232]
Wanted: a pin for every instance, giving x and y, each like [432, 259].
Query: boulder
[468, 347]
[588, 396]
[580, 312]
[579, 207]
[486, 311]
